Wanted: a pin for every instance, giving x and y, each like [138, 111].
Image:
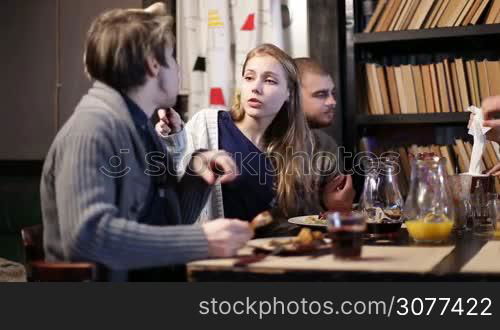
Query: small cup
[481, 194]
[485, 217]
[346, 230]
[460, 185]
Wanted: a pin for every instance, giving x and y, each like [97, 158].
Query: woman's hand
[170, 122]
[338, 193]
[214, 166]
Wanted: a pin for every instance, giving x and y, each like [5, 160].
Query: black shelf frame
[439, 34]
[449, 118]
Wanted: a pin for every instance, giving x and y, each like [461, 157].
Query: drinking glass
[429, 211]
[346, 229]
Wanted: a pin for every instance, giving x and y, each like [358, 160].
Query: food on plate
[262, 219]
[315, 220]
[394, 214]
[378, 215]
[381, 222]
[305, 240]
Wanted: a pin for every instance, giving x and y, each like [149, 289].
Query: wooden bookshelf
[468, 42]
[411, 47]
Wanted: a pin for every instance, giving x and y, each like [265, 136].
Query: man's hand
[157, 8]
[495, 170]
[225, 237]
[213, 166]
[491, 107]
[170, 122]
[338, 193]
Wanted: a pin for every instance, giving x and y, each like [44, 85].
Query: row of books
[398, 15]
[446, 86]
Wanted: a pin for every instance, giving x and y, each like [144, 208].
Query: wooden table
[465, 245]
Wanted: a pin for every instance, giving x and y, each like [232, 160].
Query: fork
[245, 261]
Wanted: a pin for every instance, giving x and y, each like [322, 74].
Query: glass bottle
[381, 199]
[429, 211]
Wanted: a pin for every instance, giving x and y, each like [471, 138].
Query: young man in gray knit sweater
[109, 191]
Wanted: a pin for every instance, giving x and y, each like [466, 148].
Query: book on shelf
[400, 85]
[450, 85]
[386, 18]
[472, 11]
[419, 88]
[456, 87]
[484, 86]
[375, 95]
[427, 84]
[446, 152]
[376, 14]
[493, 12]
[439, 13]
[452, 13]
[431, 17]
[435, 88]
[473, 82]
[443, 92]
[407, 15]
[397, 13]
[401, 15]
[393, 90]
[479, 13]
[466, 10]
[493, 70]
[382, 82]
[421, 13]
[409, 89]
[462, 82]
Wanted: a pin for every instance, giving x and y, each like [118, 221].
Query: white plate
[304, 222]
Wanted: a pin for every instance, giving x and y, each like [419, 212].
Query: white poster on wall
[218, 61]
[191, 53]
[214, 37]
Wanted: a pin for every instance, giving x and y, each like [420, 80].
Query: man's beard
[315, 123]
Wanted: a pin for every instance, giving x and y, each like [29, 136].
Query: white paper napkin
[478, 131]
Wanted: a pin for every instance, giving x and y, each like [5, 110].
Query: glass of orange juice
[429, 211]
[429, 230]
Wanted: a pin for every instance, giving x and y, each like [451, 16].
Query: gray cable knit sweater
[94, 186]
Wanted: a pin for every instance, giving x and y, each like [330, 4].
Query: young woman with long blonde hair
[267, 134]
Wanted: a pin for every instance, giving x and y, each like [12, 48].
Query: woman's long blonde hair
[288, 139]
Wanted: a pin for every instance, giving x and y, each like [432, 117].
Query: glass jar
[381, 200]
[429, 211]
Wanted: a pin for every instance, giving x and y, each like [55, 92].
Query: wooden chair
[40, 270]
